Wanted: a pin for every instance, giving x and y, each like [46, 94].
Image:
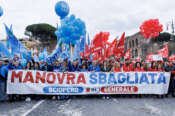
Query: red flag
[149, 57]
[164, 51]
[138, 60]
[86, 53]
[115, 47]
[106, 48]
[119, 50]
[100, 39]
[172, 58]
[128, 54]
[121, 46]
[100, 44]
[109, 51]
[96, 49]
[111, 48]
[95, 56]
[114, 41]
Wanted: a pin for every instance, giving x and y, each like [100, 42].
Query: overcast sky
[114, 16]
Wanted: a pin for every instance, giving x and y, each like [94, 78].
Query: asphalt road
[91, 106]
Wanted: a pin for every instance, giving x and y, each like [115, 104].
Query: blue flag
[45, 52]
[7, 39]
[55, 54]
[89, 43]
[66, 53]
[43, 55]
[76, 54]
[4, 50]
[89, 40]
[83, 44]
[27, 55]
[15, 45]
[35, 58]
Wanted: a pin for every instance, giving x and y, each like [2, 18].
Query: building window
[136, 53]
[130, 44]
[136, 42]
[133, 43]
[132, 53]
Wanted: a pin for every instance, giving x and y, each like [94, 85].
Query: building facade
[139, 46]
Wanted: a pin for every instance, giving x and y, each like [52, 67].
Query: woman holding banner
[116, 67]
[127, 67]
[138, 67]
[105, 67]
[154, 67]
[84, 68]
[94, 67]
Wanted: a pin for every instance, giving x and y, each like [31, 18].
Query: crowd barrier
[86, 83]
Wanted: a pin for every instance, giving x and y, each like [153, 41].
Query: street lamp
[171, 25]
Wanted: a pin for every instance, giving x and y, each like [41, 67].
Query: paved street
[92, 106]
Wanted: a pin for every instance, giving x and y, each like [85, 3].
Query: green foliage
[171, 47]
[42, 31]
[164, 37]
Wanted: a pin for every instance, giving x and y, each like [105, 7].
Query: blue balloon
[1, 11]
[23, 62]
[71, 30]
[62, 9]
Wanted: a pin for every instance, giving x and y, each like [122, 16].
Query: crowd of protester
[84, 65]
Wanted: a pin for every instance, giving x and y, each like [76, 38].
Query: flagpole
[72, 50]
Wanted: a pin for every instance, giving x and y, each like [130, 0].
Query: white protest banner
[73, 83]
[157, 58]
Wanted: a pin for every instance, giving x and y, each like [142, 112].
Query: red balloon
[151, 28]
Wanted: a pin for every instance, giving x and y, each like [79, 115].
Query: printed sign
[79, 83]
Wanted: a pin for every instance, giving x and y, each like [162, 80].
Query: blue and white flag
[83, 44]
[4, 50]
[15, 45]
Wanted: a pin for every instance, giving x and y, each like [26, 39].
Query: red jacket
[173, 72]
[160, 70]
[117, 69]
[131, 67]
[139, 69]
[127, 68]
[154, 70]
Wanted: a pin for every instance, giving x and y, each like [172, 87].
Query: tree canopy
[164, 37]
[42, 31]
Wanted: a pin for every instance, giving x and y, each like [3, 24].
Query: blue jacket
[3, 73]
[83, 70]
[95, 68]
[57, 68]
[74, 68]
[50, 68]
[18, 68]
[43, 67]
[62, 69]
[13, 67]
[35, 68]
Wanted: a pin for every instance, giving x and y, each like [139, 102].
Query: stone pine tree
[42, 32]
